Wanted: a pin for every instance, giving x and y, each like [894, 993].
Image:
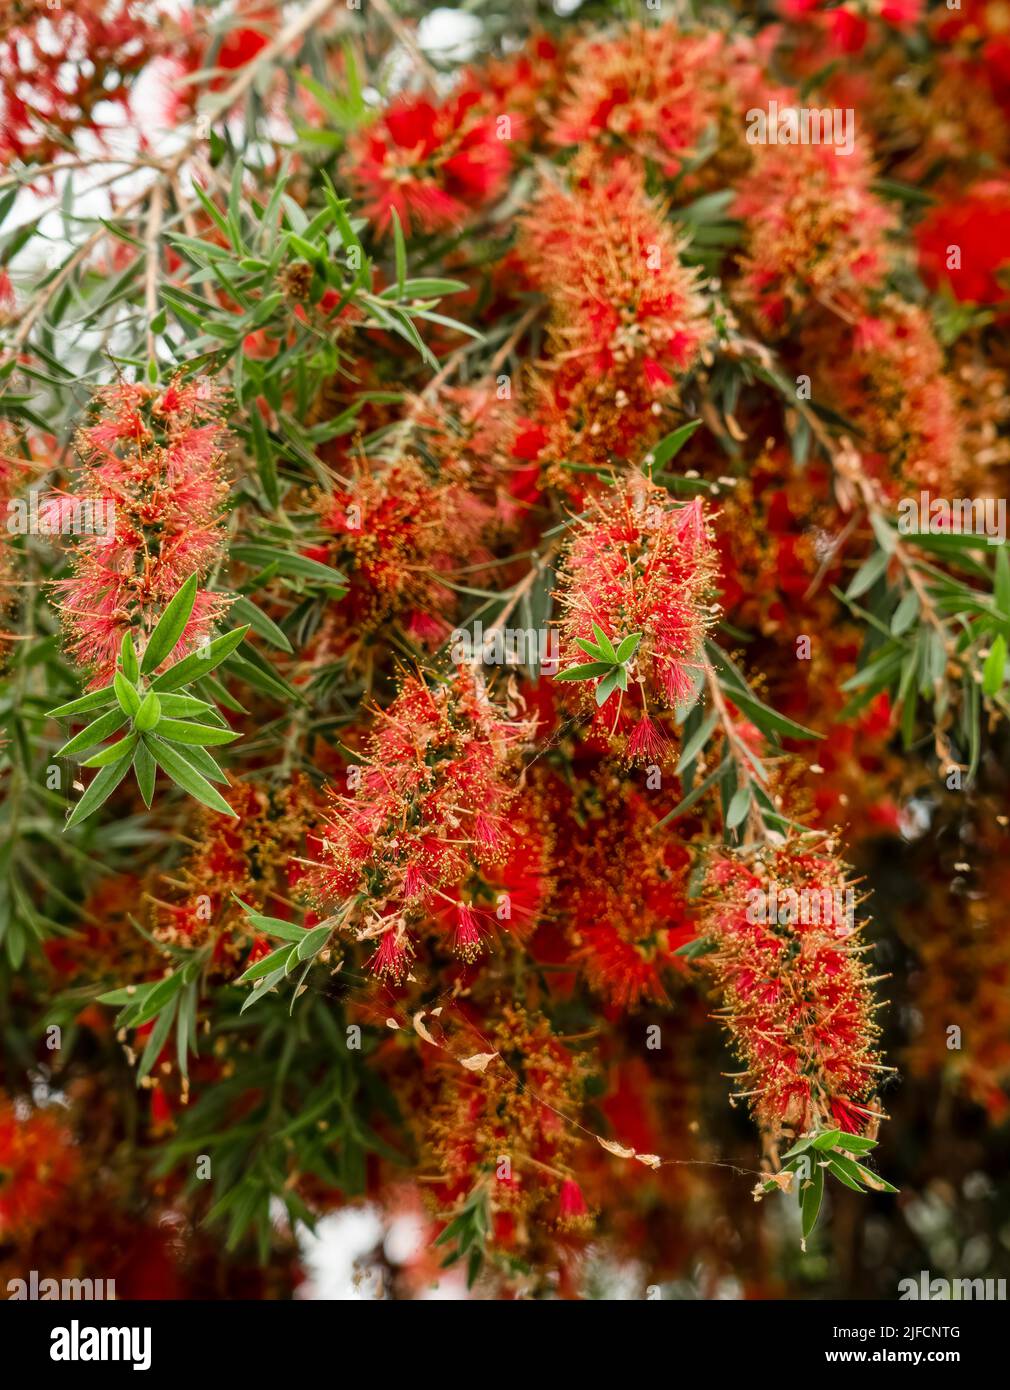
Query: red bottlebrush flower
[152, 468]
[466, 942]
[573, 1213]
[618, 887]
[392, 957]
[394, 534]
[432, 165]
[965, 243]
[815, 229]
[647, 740]
[464, 1129]
[640, 563]
[626, 315]
[796, 995]
[241, 43]
[37, 1166]
[6, 295]
[523, 86]
[61, 64]
[886, 374]
[436, 760]
[652, 92]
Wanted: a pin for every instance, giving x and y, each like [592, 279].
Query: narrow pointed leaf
[604, 643]
[128, 658]
[98, 699]
[585, 672]
[193, 667]
[96, 732]
[114, 752]
[170, 628]
[181, 731]
[170, 760]
[127, 694]
[145, 771]
[99, 790]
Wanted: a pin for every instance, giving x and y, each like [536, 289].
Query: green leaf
[800, 1147]
[149, 713]
[171, 625]
[995, 665]
[768, 719]
[628, 646]
[288, 562]
[700, 946]
[128, 658]
[840, 1171]
[130, 994]
[96, 700]
[694, 794]
[203, 762]
[100, 789]
[246, 612]
[313, 942]
[271, 926]
[185, 774]
[400, 252]
[425, 287]
[810, 1200]
[126, 693]
[114, 752]
[590, 649]
[265, 986]
[738, 807]
[96, 732]
[874, 1181]
[178, 706]
[193, 667]
[1001, 591]
[604, 643]
[181, 731]
[265, 964]
[145, 772]
[867, 574]
[884, 532]
[696, 742]
[905, 613]
[607, 686]
[671, 445]
[585, 672]
[856, 1143]
[154, 1001]
[157, 1039]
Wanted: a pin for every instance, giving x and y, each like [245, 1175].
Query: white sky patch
[450, 36]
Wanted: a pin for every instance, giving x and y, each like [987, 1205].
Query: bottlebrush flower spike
[573, 1212]
[152, 459]
[796, 994]
[641, 563]
[626, 315]
[619, 889]
[652, 91]
[38, 1163]
[63, 64]
[438, 760]
[889, 380]
[466, 942]
[815, 229]
[463, 1128]
[432, 165]
[394, 533]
